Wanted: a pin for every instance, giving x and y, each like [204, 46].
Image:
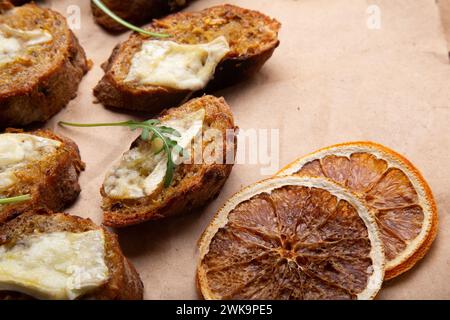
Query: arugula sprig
[153, 131]
[126, 24]
[21, 198]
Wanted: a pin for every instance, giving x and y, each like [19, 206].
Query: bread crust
[134, 11]
[250, 48]
[124, 282]
[18, 2]
[36, 92]
[6, 5]
[52, 183]
[194, 184]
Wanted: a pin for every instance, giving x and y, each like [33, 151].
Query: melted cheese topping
[18, 150]
[141, 172]
[178, 66]
[59, 265]
[15, 42]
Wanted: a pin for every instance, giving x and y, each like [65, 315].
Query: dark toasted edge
[59, 187]
[124, 282]
[139, 12]
[196, 194]
[18, 2]
[51, 93]
[230, 71]
[6, 5]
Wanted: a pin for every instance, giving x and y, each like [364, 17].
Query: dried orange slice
[391, 186]
[291, 238]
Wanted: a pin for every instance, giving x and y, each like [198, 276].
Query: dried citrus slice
[291, 238]
[391, 186]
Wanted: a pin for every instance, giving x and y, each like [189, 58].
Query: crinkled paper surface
[336, 77]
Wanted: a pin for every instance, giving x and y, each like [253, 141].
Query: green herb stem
[118, 19]
[22, 198]
[153, 126]
[170, 165]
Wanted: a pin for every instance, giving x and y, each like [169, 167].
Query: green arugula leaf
[169, 130]
[145, 134]
[151, 130]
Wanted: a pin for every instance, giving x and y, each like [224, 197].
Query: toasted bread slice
[135, 11]
[251, 38]
[10, 3]
[51, 180]
[18, 2]
[123, 281]
[193, 184]
[41, 66]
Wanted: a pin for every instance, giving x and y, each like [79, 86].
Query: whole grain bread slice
[135, 11]
[252, 37]
[52, 182]
[124, 282]
[195, 183]
[44, 80]
[18, 2]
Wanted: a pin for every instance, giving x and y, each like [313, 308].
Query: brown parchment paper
[333, 79]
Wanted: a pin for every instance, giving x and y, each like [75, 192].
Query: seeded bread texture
[252, 37]
[52, 182]
[124, 282]
[193, 184]
[36, 87]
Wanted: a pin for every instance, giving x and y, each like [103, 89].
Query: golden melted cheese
[18, 150]
[59, 265]
[178, 66]
[141, 172]
[15, 42]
